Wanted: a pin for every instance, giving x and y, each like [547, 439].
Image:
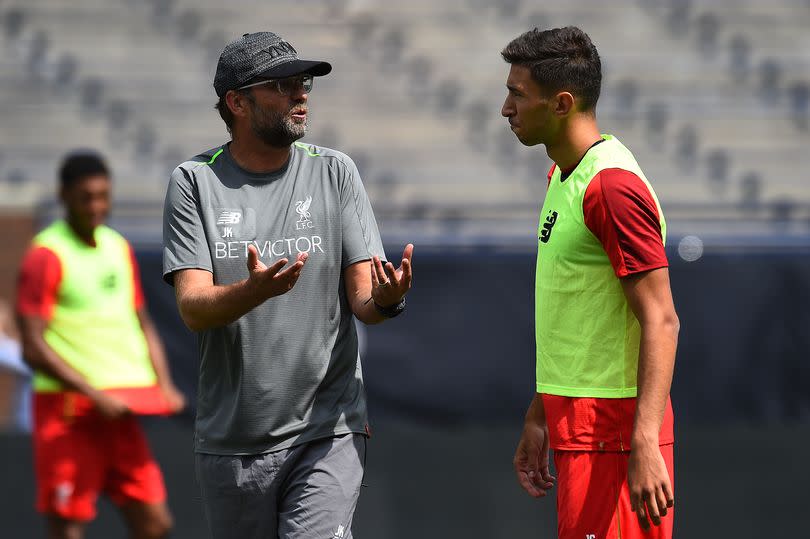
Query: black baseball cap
[261, 55]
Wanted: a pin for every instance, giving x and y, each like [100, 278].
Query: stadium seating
[707, 96]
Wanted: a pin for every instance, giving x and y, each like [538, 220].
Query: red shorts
[593, 500]
[79, 455]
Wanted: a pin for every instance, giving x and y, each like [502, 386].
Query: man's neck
[254, 155]
[87, 236]
[574, 141]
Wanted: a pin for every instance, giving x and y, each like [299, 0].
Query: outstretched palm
[388, 284]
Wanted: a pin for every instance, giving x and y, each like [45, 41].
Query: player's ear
[236, 102]
[564, 104]
[63, 193]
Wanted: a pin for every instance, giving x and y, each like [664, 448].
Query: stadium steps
[446, 164]
[420, 145]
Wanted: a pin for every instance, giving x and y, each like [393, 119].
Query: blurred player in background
[98, 360]
[606, 328]
[281, 420]
[13, 366]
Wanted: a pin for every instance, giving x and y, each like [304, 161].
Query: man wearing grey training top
[281, 416]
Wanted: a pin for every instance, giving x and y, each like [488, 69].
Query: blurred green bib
[94, 326]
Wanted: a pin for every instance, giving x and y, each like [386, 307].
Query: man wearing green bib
[605, 324]
[97, 360]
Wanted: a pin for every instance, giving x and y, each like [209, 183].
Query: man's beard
[275, 129]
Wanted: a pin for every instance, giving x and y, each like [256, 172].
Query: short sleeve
[38, 284]
[621, 212]
[184, 241]
[361, 237]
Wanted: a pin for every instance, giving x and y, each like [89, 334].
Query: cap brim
[298, 67]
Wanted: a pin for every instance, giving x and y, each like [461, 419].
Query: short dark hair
[561, 59]
[79, 165]
[225, 112]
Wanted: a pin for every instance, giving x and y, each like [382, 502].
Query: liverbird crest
[302, 208]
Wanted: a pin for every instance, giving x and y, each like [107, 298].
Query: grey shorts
[305, 492]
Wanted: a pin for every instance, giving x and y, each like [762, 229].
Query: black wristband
[392, 311]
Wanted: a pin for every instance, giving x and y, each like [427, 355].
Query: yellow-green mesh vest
[94, 326]
[587, 336]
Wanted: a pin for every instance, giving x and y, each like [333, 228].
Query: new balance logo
[590, 536]
[229, 218]
[545, 233]
[340, 533]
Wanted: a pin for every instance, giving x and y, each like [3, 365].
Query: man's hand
[531, 460]
[173, 397]
[272, 281]
[650, 487]
[389, 289]
[109, 406]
